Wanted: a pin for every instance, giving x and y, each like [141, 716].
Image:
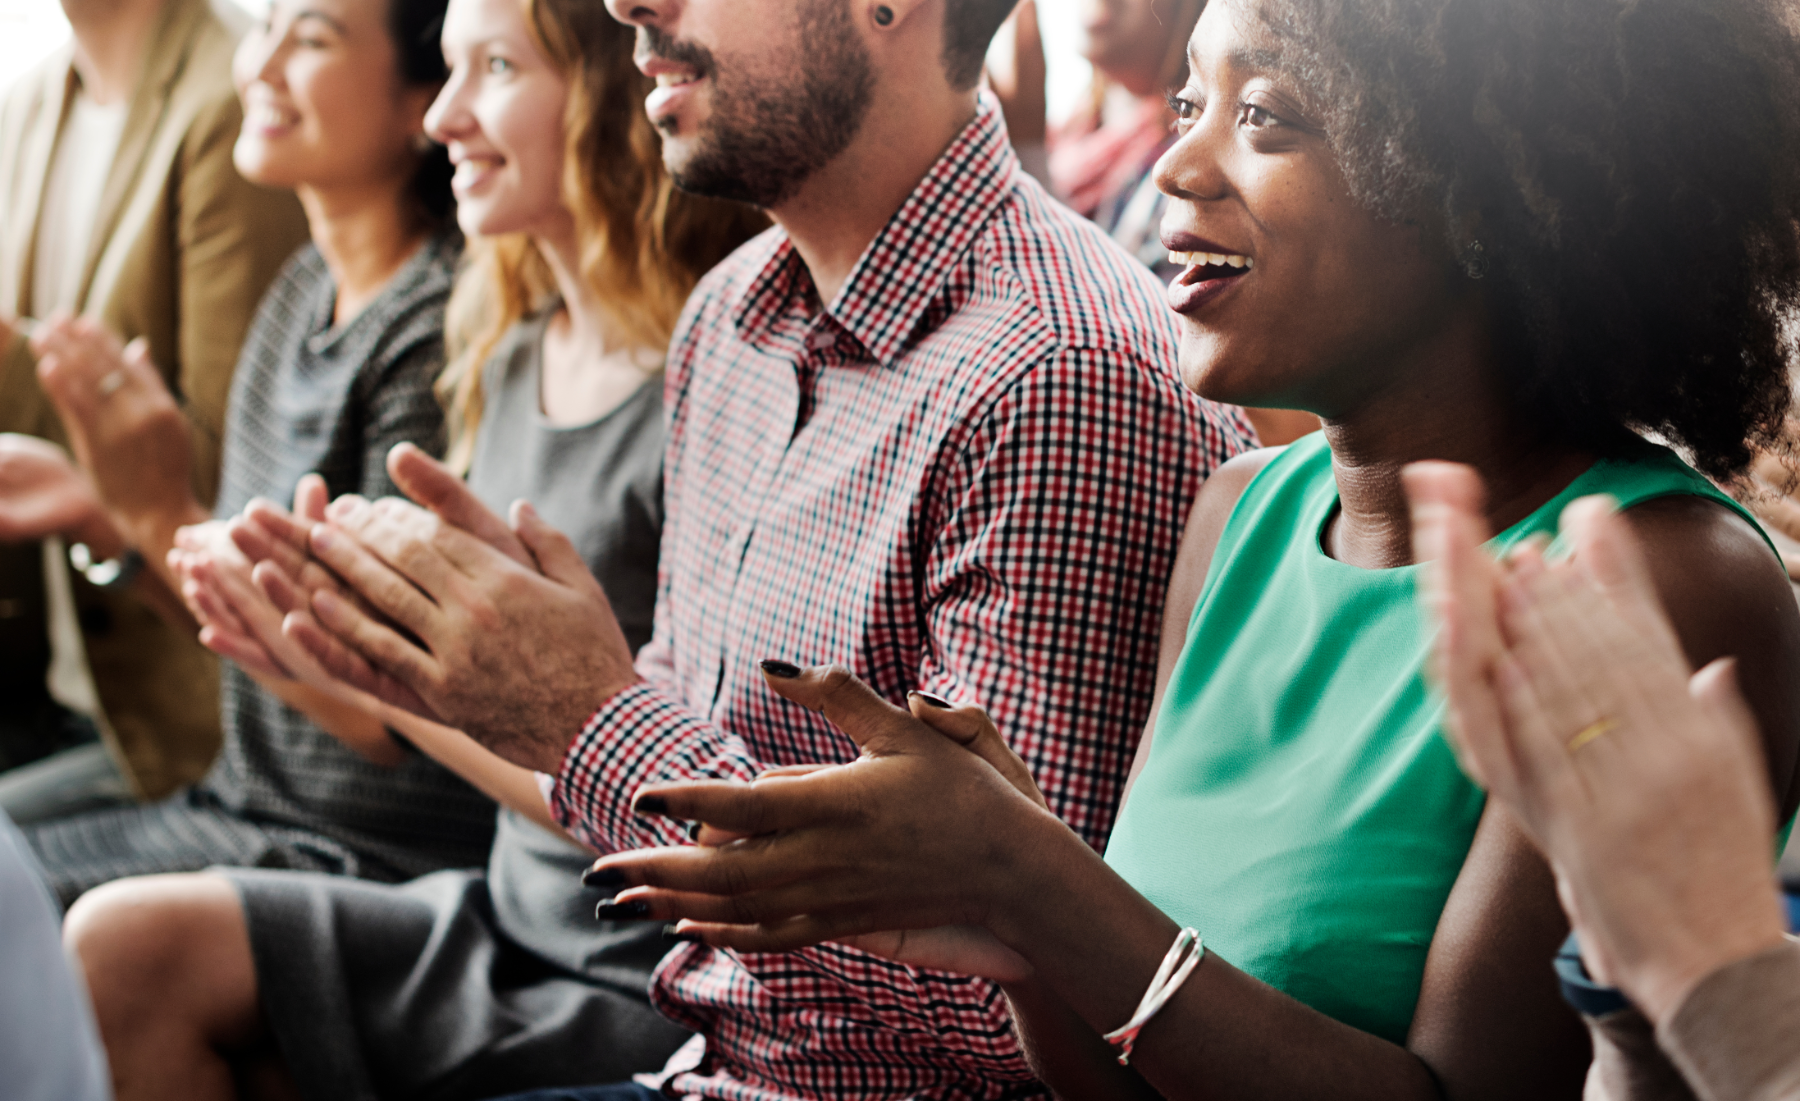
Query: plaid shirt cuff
[642, 735]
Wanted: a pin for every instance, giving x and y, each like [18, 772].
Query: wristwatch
[114, 573]
[1589, 998]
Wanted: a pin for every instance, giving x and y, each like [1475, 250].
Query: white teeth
[670, 80]
[1211, 259]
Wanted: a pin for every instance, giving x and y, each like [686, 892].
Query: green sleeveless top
[1299, 807]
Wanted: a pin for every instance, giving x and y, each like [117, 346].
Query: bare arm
[500, 780]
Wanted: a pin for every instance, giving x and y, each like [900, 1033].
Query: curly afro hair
[1625, 175]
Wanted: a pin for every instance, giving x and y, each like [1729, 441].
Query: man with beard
[928, 427]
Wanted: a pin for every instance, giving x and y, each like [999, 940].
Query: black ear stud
[884, 15]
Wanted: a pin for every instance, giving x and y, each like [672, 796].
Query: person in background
[339, 368]
[564, 309]
[1303, 895]
[1101, 161]
[118, 202]
[1571, 700]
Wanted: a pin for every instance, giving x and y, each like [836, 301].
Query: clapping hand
[912, 851]
[123, 424]
[450, 612]
[1571, 702]
[216, 577]
[42, 494]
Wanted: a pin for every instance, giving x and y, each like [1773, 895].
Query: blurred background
[30, 29]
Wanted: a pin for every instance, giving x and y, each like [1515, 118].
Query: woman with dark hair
[338, 368]
[461, 984]
[1523, 235]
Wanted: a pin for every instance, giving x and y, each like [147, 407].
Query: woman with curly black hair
[1530, 236]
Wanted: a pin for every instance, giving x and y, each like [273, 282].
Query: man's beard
[767, 137]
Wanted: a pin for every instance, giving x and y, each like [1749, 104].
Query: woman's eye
[1186, 111]
[499, 66]
[1257, 118]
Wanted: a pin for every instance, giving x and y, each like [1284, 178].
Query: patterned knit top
[313, 396]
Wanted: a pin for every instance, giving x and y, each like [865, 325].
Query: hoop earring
[884, 15]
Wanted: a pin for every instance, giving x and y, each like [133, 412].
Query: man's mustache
[653, 42]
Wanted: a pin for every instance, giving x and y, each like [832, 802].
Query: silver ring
[111, 384]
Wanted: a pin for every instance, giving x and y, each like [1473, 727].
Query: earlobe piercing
[1475, 261]
[884, 15]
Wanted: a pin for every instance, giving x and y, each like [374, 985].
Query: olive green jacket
[181, 253]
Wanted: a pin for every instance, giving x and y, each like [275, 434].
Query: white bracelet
[1163, 987]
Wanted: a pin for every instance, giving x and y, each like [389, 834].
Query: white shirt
[84, 156]
[72, 192]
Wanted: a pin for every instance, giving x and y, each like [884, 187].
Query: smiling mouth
[676, 80]
[266, 117]
[1205, 276]
[1205, 266]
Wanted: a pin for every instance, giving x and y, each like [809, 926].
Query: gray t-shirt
[601, 485]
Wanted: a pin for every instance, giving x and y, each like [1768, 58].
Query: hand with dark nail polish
[621, 911]
[608, 878]
[786, 670]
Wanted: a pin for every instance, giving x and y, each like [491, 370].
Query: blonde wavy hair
[643, 244]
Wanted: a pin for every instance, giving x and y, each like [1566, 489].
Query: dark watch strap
[1588, 997]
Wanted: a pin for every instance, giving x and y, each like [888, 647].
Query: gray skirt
[413, 991]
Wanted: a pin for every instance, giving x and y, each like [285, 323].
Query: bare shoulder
[1206, 523]
[1728, 596]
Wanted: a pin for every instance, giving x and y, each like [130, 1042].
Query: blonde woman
[462, 984]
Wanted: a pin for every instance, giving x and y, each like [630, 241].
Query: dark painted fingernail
[674, 932]
[786, 670]
[935, 700]
[693, 831]
[603, 877]
[621, 911]
[651, 804]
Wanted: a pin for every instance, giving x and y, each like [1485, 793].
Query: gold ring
[112, 383]
[1599, 728]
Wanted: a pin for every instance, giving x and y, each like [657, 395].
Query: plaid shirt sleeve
[1047, 574]
[1044, 576]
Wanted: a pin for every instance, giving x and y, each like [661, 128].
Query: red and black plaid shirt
[970, 474]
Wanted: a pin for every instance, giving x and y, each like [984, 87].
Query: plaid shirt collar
[898, 278]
